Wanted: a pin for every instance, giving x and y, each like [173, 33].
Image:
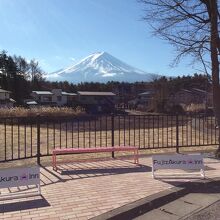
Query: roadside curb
[139, 207]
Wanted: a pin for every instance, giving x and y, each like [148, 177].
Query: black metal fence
[22, 138]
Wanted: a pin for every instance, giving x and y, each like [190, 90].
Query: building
[63, 98]
[5, 100]
[56, 97]
[205, 97]
[143, 101]
[146, 97]
[43, 97]
[95, 102]
[192, 96]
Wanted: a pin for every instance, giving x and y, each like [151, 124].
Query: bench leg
[137, 156]
[54, 162]
[136, 159]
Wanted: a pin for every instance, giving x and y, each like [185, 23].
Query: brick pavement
[85, 190]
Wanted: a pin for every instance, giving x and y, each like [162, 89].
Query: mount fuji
[100, 67]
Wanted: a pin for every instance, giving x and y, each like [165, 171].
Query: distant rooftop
[4, 91]
[147, 93]
[43, 92]
[31, 103]
[195, 90]
[12, 100]
[70, 94]
[96, 93]
[200, 90]
[186, 90]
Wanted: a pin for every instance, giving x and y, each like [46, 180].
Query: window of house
[59, 98]
[47, 99]
[83, 98]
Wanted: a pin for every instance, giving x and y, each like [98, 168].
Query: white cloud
[72, 58]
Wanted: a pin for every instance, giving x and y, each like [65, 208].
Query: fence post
[177, 133]
[38, 140]
[113, 133]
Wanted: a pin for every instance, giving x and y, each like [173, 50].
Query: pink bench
[58, 151]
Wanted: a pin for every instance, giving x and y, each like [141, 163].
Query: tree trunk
[215, 61]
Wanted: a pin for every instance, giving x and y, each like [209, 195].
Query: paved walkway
[189, 207]
[85, 190]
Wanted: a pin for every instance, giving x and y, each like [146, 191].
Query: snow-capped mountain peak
[101, 67]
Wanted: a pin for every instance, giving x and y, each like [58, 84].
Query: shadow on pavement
[24, 205]
[107, 170]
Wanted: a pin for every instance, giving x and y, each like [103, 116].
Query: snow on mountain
[100, 67]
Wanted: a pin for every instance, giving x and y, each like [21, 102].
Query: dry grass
[193, 108]
[44, 111]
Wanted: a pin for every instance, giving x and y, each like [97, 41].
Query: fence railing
[22, 138]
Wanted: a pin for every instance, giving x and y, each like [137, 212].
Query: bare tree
[192, 27]
[35, 71]
[22, 66]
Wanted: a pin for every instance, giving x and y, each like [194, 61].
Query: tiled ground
[85, 190]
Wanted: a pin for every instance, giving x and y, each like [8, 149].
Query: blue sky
[58, 33]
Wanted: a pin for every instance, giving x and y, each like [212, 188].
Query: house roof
[43, 92]
[86, 93]
[195, 91]
[146, 93]
[31, 103]
[186, 90]
[4, 91]
[69, 94]
[200, 91]
[12, 100]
